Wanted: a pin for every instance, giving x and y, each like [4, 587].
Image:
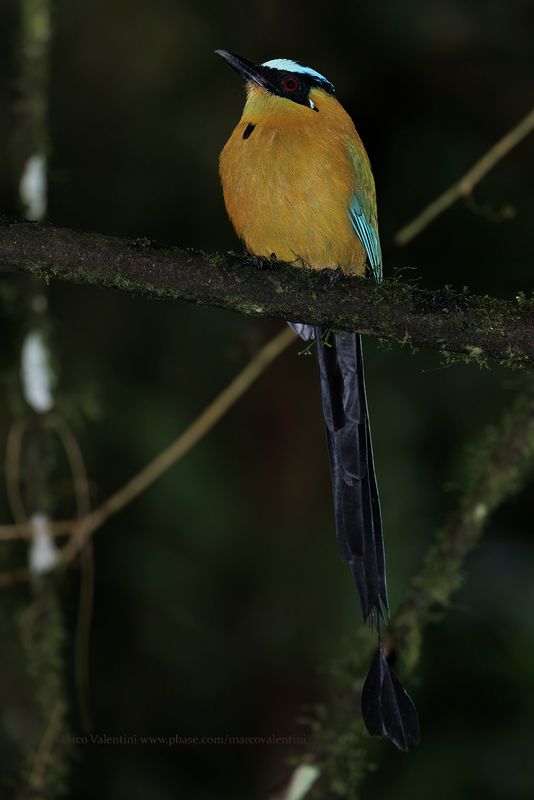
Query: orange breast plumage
[288, 178]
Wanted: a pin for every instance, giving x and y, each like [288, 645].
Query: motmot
[298, 186]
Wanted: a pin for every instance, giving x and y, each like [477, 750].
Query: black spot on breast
[248, 130]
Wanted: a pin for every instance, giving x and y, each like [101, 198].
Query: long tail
[387, 709]
[357, 508]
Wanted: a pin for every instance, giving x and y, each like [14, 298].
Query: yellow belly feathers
[288, 186]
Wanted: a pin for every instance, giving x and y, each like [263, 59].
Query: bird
[298, 186]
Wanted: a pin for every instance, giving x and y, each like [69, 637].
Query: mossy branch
[469, 326]
[45, 769]
[497, 469]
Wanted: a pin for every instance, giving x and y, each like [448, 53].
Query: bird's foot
[332, 276]
[262, 262]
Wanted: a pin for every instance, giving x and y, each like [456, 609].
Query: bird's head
[281, 85]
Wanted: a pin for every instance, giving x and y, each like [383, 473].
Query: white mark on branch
[33, 187]
[480, 512]
[300, 783]
[43, 551]
[36, 373]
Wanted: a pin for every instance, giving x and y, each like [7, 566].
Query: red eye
[290, 84]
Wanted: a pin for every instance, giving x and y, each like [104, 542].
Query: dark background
[221, 601]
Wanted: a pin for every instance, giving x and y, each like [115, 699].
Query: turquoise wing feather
[368, 236]
[362, 211]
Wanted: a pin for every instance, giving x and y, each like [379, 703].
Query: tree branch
[464, 187]
[471, 326]
[82, 528]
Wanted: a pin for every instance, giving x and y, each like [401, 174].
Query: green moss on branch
[458, 324]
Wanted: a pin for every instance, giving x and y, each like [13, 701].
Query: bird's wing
[362, 210]
[368, 236]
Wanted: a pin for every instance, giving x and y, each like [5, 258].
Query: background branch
[466, 184]
[82, 529]
[43, 769]
[453, 322]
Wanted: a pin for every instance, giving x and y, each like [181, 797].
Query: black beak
[246, 68]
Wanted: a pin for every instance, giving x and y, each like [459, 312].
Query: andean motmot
[298, 186]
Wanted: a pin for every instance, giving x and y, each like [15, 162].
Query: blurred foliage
[221, 602]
